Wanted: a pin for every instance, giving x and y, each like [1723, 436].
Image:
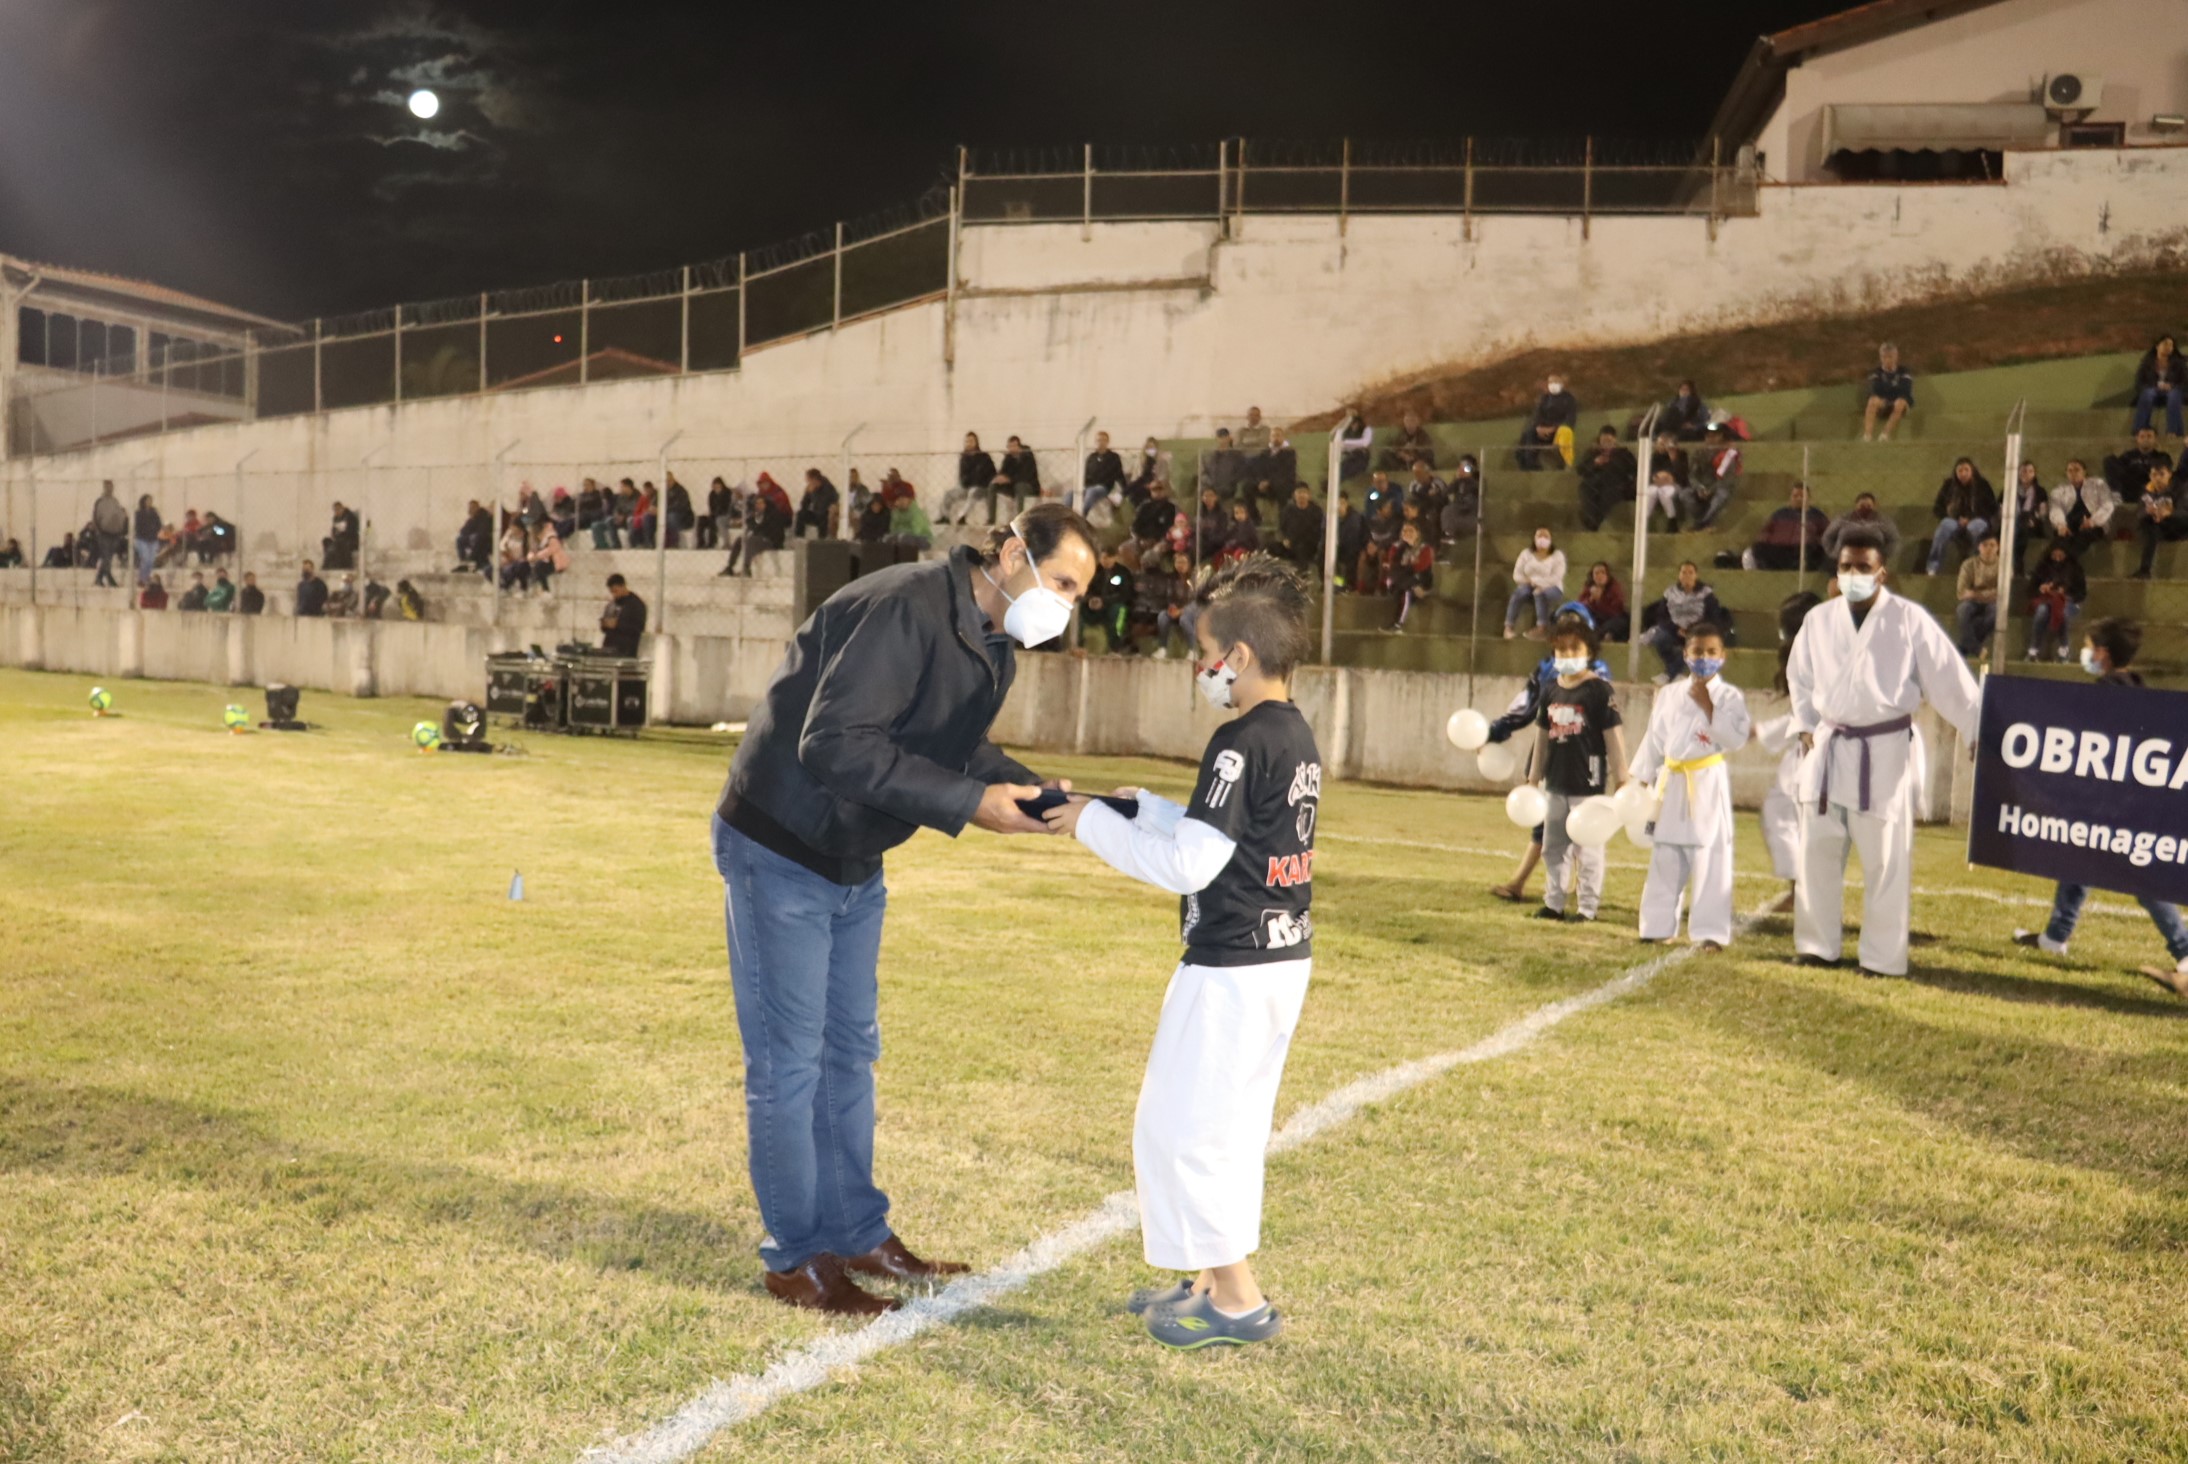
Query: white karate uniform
[1200, 1136]
[1781, 813]
[1842, 678]
[1694, 825]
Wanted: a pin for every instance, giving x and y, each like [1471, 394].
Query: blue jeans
[1670, 644]
[802, 952]
[1977, 622]
[2146, 407]
[148, 551]
[2066, 913]
[2041, 628]
[1545, 603]
[1949, 530]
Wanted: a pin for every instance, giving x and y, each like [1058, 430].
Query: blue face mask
[1705, 667]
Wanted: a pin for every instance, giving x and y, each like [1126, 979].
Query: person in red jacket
[1605, 600]
[1409, 569]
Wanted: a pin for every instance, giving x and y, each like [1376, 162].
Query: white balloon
[1497, 762]
[424, 105]
[1630, 796]
[1467, 729]
[1592, 822]
[1526, 805]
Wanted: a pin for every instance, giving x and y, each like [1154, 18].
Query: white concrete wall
[1381, 726]
[1998, 53]
[1052, 328]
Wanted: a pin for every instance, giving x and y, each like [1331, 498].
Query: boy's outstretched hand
[1065, 820]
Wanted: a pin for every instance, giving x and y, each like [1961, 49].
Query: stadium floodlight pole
[1639, 574]
[1331, 467]
[843, 489]
[661, 543]
[2008, 534]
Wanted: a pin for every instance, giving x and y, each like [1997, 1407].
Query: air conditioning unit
[2072, 93]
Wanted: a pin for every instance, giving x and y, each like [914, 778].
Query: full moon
[423, 104]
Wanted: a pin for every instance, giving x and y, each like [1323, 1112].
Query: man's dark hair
[1861, 536]
[1260, 603]
[1044, 527]
[1990, 536]
[2118, 637]
[615, 582]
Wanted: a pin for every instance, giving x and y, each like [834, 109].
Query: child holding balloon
[1695, 724]
[1583, 753]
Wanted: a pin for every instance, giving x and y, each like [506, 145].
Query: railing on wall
[706, 317]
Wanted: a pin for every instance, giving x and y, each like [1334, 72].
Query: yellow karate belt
[1687, 769]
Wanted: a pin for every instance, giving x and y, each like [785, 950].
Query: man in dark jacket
[1155, 516]
[1555, 410]
[2128, 471]
[475, 540]
[1606, 479]
[1300, 527]
[875, 726]
[339, 548]
[311, 593]
[817, 507]
[250, 600]
[110, 531]
[1104, 474]
[1352, 538]
[624, 621]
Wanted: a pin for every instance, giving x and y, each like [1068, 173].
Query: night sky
[257, 151]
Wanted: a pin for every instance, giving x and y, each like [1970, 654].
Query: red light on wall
[558, 340]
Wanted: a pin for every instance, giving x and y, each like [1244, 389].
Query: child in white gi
[1241, 855]
[1696, 723]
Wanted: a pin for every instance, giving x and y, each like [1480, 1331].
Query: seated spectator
[873, 520]
[2128, 469]
[475, 540]
[768, 518]
[1103, 476]
[1380, 491]
[1241, 537]
[2158, 518]
[1299, 530]
[1663, 493]
[721, 509]
[1865, 513]
[895, 488]
[154, 594]
[820, 507]
[186, 534]
[1538, 578]
[595, 514]
[1977, 610]
[531, 510]
[2158, 381]
[1151, 521]
[194, 597]
[375, 599]
[975, 477]
[1427, 492]
[168, 546]
[1355, 439]
[1252, 439]
[216, 539]
[1607, 476]
[343, 604]
[1019, 476]
[1791, 536]
[311, 591]
[2081, 509]
[855, 494]
[62, 555]
[1382, 532]
[1352, 540]
[1152, 469]
[1183, 542]
[1462, 501]
[516, 554]
[1275, 471]
[1210, 527]
[562, 513]
[2032, 511]
[250, 600]
[1222, 466]
[1604, 598]
[908, 525]
[1412, 445]
[2055, 595]
[1409, 571]
[1686, 601]
[408, 602]
[1667, 456]
[1685, 416]
[1966, 507]
[1546, 438]
[338, 550]
[676, 509]
[1160, 597]
[221, 597]
[1108, 602]
[626, 502]
[11, 555]
[548, 559]
[1890, 395]
[1715, 479]
[645, 517]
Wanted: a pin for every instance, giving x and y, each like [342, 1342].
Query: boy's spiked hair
[1575, 627]
[1258, 602]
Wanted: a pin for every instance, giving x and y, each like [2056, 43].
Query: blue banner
[2084, 783]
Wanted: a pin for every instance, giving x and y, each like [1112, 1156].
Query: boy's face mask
[2090, 662]
[1215, 683]
[1705, 667]
[1570, 665]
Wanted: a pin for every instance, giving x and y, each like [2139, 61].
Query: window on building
[121, 350]
[61, 342]
[91, 347]
[30, 342]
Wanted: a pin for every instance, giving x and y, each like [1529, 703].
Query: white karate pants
[1201, 1136]
[1886, 847]
[1671, 867]
[1781, 818]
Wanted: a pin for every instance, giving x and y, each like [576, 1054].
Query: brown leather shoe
[820, 1285]
[891, 1259]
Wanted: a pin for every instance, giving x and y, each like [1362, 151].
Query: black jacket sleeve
[867, 682]
[990, 764]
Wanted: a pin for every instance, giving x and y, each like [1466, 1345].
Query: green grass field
[314, 1146]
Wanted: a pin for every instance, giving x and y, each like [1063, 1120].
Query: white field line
[726, 1403]
[1949, 892]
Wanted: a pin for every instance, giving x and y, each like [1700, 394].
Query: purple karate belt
[1862, 734]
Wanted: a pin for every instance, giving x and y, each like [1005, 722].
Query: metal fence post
[740, 310]
[849, 530]
[318, 394]
[2009, 535]
[1466, 216]
[1086, 197]
[838, 320]
[683, 331]
[1587, 186]
[482, 340]
[1344, 187]
[585, 327]
[1473, 615]
[1716, 175]
[1808, 496]
[1223, 186]
[493, 548]
[243, 559]
[398, 355]
[661, 554]
[949, 285]
[1639, 574]
[1238, 196]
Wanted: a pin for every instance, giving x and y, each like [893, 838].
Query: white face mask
[2089, 662]
[1542, 543]
[1039, 615]
[1215, 683]
[1857, 587]
[1569, 665]
[1556, 387]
